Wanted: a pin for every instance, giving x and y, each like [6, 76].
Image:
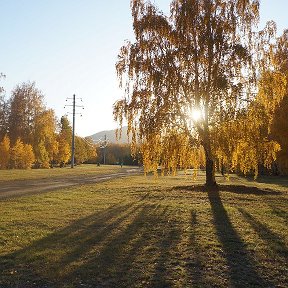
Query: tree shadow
[274, 245]
[38, 261]
[276, 180]
[130, 245]
[280, 213]
[125, 260]
[242, 269]
[195, 267]
[119, 247]
[164, 260]
[272, 239]
[237, 189]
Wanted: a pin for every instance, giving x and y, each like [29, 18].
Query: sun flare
[196, 114]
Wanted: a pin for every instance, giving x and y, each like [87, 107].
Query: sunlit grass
[147, 232]
[16, 174]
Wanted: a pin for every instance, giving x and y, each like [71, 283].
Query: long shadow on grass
[138, 255]
[123, 246]
[241, 267]
[165, 260]
[237, 189]
[276, 246]
[277, 180]
[280, 213]
[48, 259]
[272, 239]
[195, 265]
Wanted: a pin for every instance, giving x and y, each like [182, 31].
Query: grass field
[148, 232]
[16, 174]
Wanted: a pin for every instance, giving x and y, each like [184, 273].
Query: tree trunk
[210, 172]
[210, 165]
[206, 142]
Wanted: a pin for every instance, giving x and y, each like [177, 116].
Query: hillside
[111, 136]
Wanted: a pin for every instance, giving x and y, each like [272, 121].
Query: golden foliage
[64, 150]
[272, 88]
[27, 122]
[5, 152]
[85, 149]
[22, 156]
[258, 136]
[45, 143]
[202, 56]
[170, 152]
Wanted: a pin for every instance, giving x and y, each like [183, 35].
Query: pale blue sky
[70, 47]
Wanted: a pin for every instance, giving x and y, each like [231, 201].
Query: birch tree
[186, 74]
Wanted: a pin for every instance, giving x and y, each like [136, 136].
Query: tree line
[31, 135]
[119, 154]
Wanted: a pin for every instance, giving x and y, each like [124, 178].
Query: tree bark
[210, 172]
[210, 165]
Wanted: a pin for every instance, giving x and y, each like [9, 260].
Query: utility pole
[73, 126]
[103, 145]
[105, 138]
[73, 135]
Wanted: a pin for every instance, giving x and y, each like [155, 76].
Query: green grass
[16, 174]
[147, 232]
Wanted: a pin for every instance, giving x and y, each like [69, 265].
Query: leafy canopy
[202, 57]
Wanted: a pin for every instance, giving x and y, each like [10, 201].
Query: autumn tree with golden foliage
[25, 104]
[201, 58]
[64, 140]
[5, 152]
[32, 123]
[279, 125]
[85, 149]
[258, 136]
[45, 138]
[31, 130]
[279, 132]
[21, 155]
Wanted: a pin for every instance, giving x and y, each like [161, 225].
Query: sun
[196, 114]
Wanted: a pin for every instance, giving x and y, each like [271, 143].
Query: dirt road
[18, 188]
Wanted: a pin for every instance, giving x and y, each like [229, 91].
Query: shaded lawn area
[147, 232]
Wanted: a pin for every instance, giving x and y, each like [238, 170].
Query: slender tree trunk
[210, 165]
[210, 172]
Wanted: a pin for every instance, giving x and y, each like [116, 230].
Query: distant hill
[111, 136]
